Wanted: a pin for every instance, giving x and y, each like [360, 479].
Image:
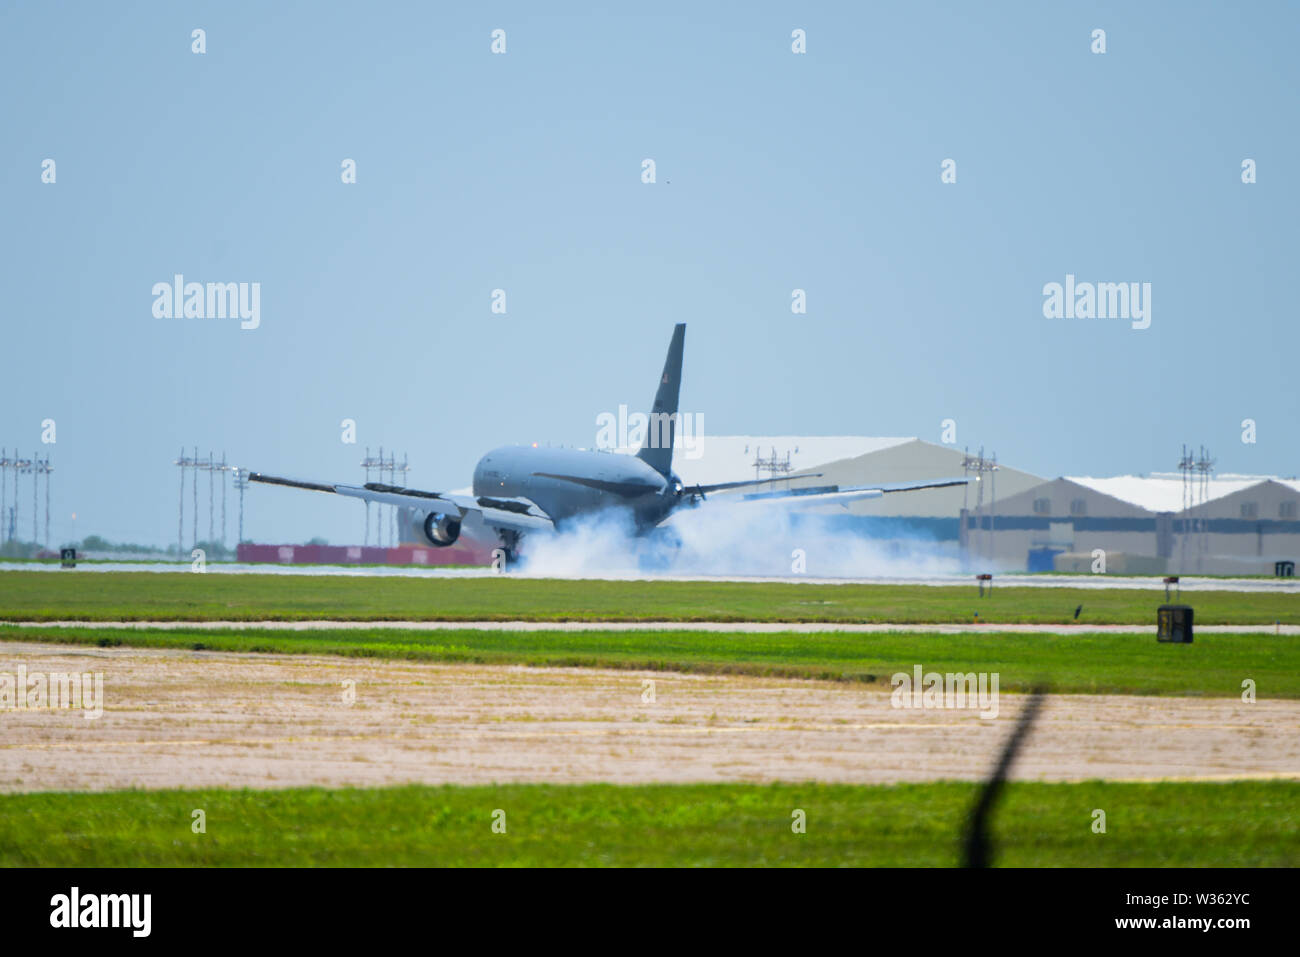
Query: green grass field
[1238, 824]
[1214, 665]
[1243, 823]
[109, 596]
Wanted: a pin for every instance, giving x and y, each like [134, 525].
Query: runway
[731, 627]
[1188, 584]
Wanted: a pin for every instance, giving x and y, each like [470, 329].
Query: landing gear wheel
[506, 555]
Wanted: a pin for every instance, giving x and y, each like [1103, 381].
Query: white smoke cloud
[719, 538]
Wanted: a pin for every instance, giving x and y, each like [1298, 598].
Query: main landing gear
[506, 555]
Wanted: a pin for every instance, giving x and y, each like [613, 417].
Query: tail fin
[657, 450]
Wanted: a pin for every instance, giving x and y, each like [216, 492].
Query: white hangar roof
[1163, 491]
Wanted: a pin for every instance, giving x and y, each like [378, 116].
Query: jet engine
[441, 530]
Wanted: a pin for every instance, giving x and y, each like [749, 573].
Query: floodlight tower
[380, 523]
[379, 506]
[22, 466]
[241, 483]
[48, 469]
[979, 465]
[1185, 466]
[1204, 468]
[403, 468]
[224, 469]
[8, 513]
[207, 465]
[195, 487]
[43, 467]
[184, 463]
[368, 463]
[391, 525]
[4, 496]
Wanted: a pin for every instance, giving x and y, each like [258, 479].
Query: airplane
[526, 490]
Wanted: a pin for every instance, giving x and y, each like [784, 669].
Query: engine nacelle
[441, 530]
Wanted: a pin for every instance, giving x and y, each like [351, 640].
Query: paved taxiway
[755, 627]
[1188, 584]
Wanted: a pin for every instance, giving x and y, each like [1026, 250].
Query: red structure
[461, 553]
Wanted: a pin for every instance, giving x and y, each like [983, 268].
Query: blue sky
[522, 171]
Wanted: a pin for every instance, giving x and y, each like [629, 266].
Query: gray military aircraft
[526, 490]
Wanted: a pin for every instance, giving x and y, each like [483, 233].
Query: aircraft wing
[836, 494]
[513, 514]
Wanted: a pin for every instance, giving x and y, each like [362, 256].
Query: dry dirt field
[191, 719]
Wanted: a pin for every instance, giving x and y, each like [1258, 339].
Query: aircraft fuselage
[613, 481]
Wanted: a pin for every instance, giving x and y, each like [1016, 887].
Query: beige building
[1247, 531]
[1236, 524]
[1011, 520]
[929, 515]
[1065, 517]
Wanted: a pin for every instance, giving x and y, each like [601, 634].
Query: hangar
[928, 515]
[1013, 520]
[1234, 525]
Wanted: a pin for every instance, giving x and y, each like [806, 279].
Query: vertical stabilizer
[657, 450]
